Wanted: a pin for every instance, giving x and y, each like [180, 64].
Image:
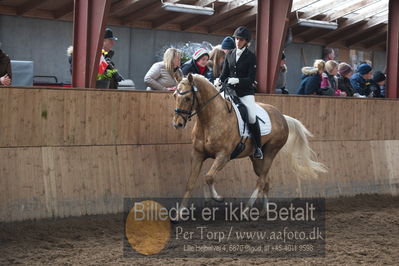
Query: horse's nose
[178, 125]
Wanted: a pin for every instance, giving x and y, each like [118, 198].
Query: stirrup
[258, 154]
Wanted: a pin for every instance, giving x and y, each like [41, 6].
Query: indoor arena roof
[360, 24]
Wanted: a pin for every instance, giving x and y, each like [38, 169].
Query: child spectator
[361, 81]
[311, 79]
[377, 84]
[345, 72]
[228, 44]
[329, 83]
[161, 75]
[215, 62]
[198, 64]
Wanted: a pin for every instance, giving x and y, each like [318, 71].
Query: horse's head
[186, 101]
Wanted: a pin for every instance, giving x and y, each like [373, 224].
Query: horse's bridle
[190, 113]
[183, 112]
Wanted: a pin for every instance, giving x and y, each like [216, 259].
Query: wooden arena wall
[74, 152]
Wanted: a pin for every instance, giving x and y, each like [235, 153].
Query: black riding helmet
[243, 32]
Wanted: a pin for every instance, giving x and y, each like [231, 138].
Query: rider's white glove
[217, 83]
[233, 81]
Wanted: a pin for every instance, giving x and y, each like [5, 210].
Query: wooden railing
[70, 152]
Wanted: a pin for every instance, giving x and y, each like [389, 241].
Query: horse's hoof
[218, 199]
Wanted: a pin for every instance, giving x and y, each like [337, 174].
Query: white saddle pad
[265, 125]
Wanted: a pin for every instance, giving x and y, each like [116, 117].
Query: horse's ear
[178, 76]
[190, 78]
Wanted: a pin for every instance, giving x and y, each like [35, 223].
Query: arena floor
[360, 230]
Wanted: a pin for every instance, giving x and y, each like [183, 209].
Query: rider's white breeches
[249, 102]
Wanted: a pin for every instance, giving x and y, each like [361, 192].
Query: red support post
[393, 50]
[88, 37]
[271, 29]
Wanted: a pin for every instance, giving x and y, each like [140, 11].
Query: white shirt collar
[239, 52]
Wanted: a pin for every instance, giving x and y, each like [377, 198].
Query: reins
[190, 113]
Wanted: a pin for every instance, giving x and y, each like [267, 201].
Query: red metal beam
[271, 29]
[393, 50]
[88, 32]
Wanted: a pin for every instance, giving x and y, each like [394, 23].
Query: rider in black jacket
[239, 70]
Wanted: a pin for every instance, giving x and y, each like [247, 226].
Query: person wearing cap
[198, 64]
[361, 81]
[281, 82]
[239, 70]
[345, 72]
[108, 53]
[109, 40]
[228, 44]
[377, 84]
[5, 69]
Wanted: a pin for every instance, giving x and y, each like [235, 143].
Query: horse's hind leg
[218, 164]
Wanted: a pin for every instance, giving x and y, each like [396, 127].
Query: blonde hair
[215, 57]
[330, 65]
[320, 65]
[168, 58]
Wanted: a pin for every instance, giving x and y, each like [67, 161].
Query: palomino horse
[215, 135]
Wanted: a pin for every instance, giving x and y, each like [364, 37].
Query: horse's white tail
[303, 158]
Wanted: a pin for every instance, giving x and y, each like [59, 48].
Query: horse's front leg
[218, 164]
[197, 158]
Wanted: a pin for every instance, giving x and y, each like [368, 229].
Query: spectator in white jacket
[163, 75]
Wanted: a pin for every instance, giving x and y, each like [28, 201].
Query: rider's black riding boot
[255, 132]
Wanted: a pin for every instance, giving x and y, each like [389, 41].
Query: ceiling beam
[381, 7]
[368, 38]
[380, 47]
[64, 10]
[365, 35]
[220, 14]
[349, 9]
[28, 6]
[351, 32]
[352, 22]
[173, 16]
[299, 4]
[316, 11]
[123, 7]
[12, 11]
[375, 40]
[142, 12]
[321, 9]
[241, 19]
[8, 10]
